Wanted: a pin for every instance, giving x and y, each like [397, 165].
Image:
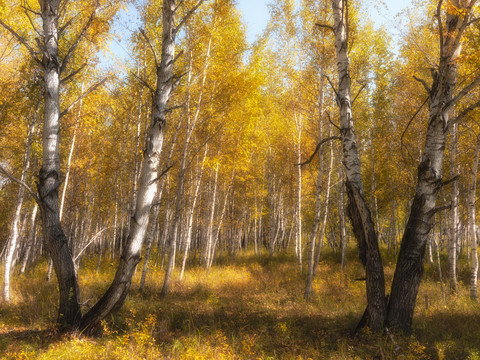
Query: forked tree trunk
[358, 210]
[409, 270]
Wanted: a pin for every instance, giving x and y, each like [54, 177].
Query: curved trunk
[409, 270]
[115, 296]
[358, 211]
[49, 177]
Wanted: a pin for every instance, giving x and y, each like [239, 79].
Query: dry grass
[250, 308]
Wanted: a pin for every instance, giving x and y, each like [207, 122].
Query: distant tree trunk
[409, 269]
[453, 238]
[12, 245]
[358, 210]
[30, 240]
[179, 204]
[208, 252]
[190, 213]
[471, 223]
[298, 237]
[341, 214]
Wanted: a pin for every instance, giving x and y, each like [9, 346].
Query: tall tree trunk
[49, 177]
[31, 239]
[358, 210]
[298, 237]
[118, 290]
[453, 238]
[471, 223]
[409, 269]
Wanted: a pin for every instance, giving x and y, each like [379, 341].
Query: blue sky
[255, 14]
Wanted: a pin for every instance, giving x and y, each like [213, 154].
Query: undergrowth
[250, 307]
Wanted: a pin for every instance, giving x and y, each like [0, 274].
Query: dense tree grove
[199, 145]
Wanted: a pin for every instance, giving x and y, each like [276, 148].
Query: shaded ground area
[249, 308]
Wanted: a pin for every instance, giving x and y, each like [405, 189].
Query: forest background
[241, 118]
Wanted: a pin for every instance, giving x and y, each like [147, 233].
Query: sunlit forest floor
[250, 307]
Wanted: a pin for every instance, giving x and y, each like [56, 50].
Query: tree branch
[333, 88]
[440, 208]
[20, 182]
[155, 57]
[72, 74]
[325, 26]
[143, 82]
[359, 91]
[91, 89]
[424, 83]
[331, 122]
[461, 94]
[447, 182]
[188, 15]
[410, 122]
[462, 114]
[22, 41]
[163, 173]
[318, 148]
[77, 41]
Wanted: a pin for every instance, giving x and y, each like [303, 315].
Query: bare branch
[402, 145]
[22, 41]
[91, 89]
[143, 82]
[69, 77]
[318, 148]
[333, 88]
[447, 182]
[170, 109]
[28, 9]
[188, 15]
[163, 173]
[440, 208]
[21, 183]
[462, 114]
[325, 26]
[180, 53]
[424, 83]
[462, 93]
[90, 242]
[67, 24]
[31, 21]
[359, 91]
[72, 48]
[331, 122]
[155, 57]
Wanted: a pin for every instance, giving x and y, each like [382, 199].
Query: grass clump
[250, 308]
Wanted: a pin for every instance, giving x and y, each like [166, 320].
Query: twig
[325, 26]
[424, 83]
[91, 89]
[142, 31]
[318, 148]
[20, 182]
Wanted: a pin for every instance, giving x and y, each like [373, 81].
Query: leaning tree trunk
[409, 269]
[471, 223]
[358, 210]
[115, 296]
[49, 177]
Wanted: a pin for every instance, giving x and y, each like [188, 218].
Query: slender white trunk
[453, 238]
[472, 223]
